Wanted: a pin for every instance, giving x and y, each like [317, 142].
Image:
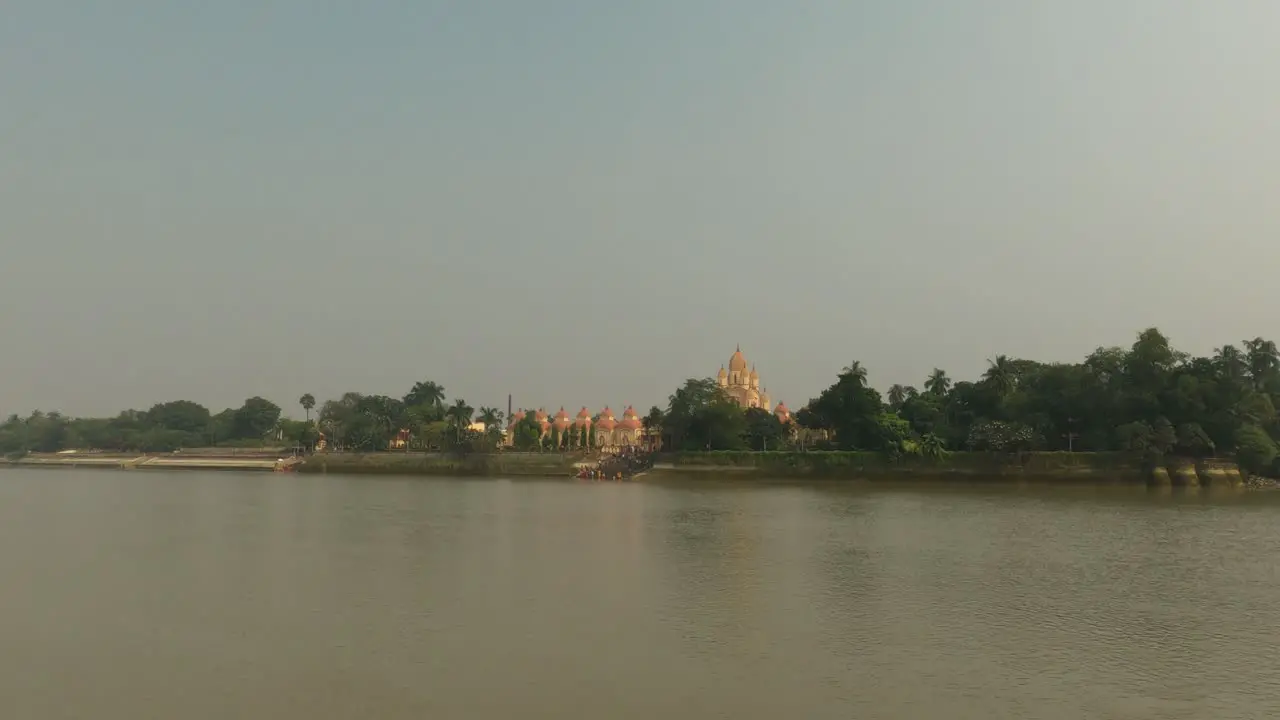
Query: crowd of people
[626, 462]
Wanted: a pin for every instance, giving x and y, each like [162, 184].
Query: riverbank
[240, 460]
[402, 463]
[1059, 467]
[384, 463]
[1078, 468]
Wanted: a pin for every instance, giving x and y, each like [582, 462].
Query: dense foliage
[1148, 399]
[354, 421]
[166, 426]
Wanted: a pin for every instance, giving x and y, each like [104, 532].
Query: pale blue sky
[587, 202]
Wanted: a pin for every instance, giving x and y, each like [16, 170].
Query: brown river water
[149, 594]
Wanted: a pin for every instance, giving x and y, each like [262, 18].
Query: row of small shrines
[604, 430]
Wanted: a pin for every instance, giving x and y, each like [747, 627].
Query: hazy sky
[587, 202]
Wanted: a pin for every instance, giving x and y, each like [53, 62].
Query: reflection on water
[218, 595]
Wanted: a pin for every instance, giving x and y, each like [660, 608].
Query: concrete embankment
[401, 463]
[157, 462]
[1054, 467]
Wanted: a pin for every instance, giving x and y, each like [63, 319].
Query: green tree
[897, 396]
[1150, 442]
[365, 422]
[1192, 440]
[763, 430]
[1263, 361]
[256, 418]
[894, 433]
[222, 427]
[425, 393]
[701, 416]
[492, 420]
[526, 434]
[307, 401]
[181, 415]
[927, 413]
[856, 372]
[1000, 375]
[1255, 450]
[938, 383]
[301, 433]
[386, 416]
[459, 417]
[417, 419]
[849, 408]
[491, 417]
[435, 435]
[933, 447]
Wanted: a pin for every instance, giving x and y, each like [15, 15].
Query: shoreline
[1051, 468]
[1044, 467]
[104, 461]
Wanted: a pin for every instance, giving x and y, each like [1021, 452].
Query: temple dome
[583, 419]
[737, 363]
[629, 420]
[561, 420]
[606, 421]
[722, 374]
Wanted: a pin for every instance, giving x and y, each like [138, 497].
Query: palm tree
[459, 415]
[425, 393]
[307, 402]
[1001, 374]
[491, 417]
[898, 395]
[855, 371]
[1263, 360]
[938, 382]
[1231, 360]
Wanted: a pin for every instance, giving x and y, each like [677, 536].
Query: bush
[1255, 450]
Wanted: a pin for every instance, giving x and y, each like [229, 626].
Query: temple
[603, 431]
[743, 386]
[606, 432]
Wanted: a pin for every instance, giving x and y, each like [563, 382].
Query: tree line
[165, 427]
[354, 421]
[1148, 399]
[423, 419]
